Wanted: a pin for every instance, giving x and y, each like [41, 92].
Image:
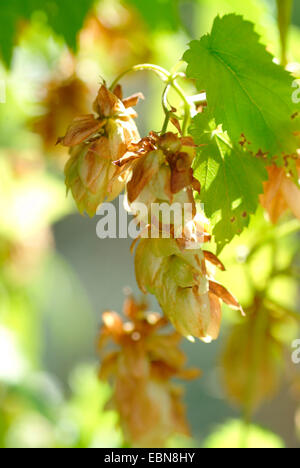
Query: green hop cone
[180, 280]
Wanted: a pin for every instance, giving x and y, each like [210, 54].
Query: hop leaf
[230, 177]
[159, 14]
[246, 91]
[58, 15]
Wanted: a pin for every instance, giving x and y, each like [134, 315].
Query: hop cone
[141, 369]
[181, 282]
[162, 173]
[95, 142]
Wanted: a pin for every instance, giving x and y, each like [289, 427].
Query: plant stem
[166, 77]
[165, 108]
[161, 72]
[284, 13]
[187, 106]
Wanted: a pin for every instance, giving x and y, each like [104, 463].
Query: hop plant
[183, 285]
[95, 142]
[175, 269]
[222, 164]
[141, 364]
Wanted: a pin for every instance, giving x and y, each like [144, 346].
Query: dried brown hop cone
[95, 142]
[140, 364]
[161, 173]
[181, 281]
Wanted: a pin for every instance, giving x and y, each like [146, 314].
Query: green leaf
[284, 9]
[231, 179]
[11, 11]
[159, 14]
[66, 18]
[246, 91]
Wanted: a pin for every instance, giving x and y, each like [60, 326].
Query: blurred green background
[56, 276]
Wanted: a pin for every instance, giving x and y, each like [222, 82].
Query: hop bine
[175, 269]
[108, 155]
[95, 142]
[141, 365]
